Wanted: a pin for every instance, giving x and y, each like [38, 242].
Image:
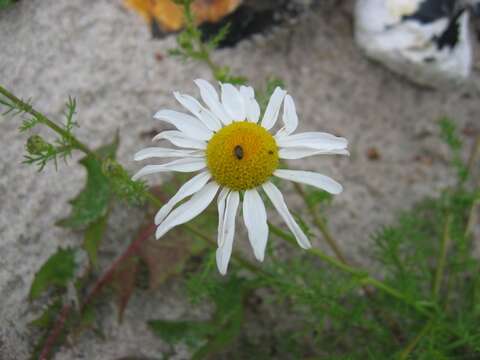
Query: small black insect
[238, 151]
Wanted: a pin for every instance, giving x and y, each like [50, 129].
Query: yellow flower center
[242, 155]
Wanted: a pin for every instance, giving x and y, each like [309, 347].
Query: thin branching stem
[474, 154]
[445, 241]
[472, 214]
[321, 225]
[472, 217]
[211, 242]
[235, 255]
[362, 275]
[27, 108]
[405, 354]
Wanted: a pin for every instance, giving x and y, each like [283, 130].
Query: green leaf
[173, 332]
[87, 318]
[219, 36]
[228, 318]
[449, 133]
[45, 320]
[263, 97]
[217, 334]
[225, 333]
[57, 271]
[168, 257]
[318, 197]
[5, 3]
[92, 202]
[93, 238]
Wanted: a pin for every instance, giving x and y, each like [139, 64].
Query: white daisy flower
[235, 153]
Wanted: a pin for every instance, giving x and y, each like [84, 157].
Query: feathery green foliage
[192, 47]
[5, 3]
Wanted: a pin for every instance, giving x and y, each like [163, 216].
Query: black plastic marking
[451, 36]
[432, 10]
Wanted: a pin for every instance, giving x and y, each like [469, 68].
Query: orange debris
[170, 15]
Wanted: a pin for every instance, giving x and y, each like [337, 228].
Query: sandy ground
[102, 54]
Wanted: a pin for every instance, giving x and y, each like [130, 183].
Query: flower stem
[211, 242]
[56, 331]
[235, 255]
[472, 215]
[475, 152]
[321, 225]
[437, 282]
[363, 276]
[404, 355]
[342, 262]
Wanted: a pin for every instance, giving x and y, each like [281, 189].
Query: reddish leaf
[166, 257]
[125, 283]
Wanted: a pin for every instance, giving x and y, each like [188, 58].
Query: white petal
[181, 165]
[314, 140]
[191, 187]
[192, 105]
[188, 210]
[255, 218]
[228, 232]
[179, 139]
[278, 202]
[273, 108]
[310, 178]
[299, 153]
[187, 124]
[158, 152]
[290, 117]
[210, 97]
[233, 102]
[252, 109]
[222, 197]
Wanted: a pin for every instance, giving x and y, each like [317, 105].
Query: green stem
[412, 344]
[475, 152]
[442, 257]
[363, 277]
[321, 225]
[21, 105]
[237, 257]
[211, 242]
[472, 215]
[437, 282]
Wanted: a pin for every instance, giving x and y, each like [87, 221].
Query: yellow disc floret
[242, 155]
